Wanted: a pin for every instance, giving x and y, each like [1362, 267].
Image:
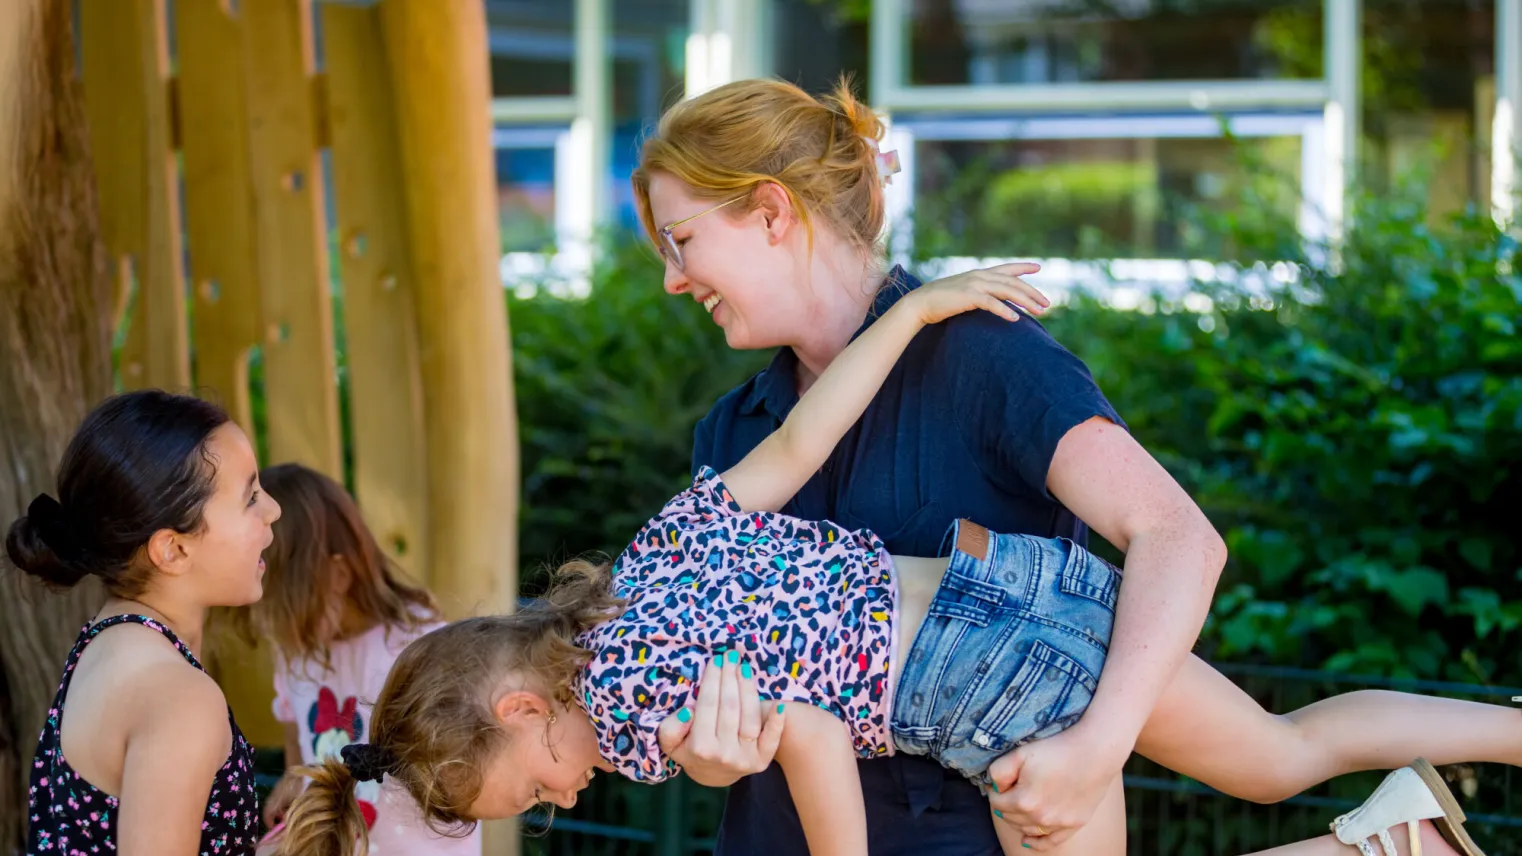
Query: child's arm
[816, 756]
[289, 786]
[775, 470]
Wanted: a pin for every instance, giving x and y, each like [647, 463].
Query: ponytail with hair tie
[368, 762]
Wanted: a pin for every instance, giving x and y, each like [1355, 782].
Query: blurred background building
[1059, 129]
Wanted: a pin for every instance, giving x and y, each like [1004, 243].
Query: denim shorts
[1010, 650]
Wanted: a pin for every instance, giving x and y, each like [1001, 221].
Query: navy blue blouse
[965, 426]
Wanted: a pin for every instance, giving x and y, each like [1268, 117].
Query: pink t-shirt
[331, 709]
[810, 605]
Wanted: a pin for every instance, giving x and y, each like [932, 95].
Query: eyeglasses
[669, 248]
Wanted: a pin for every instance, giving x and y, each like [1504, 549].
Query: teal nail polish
[734, 656]
[746, 672]
[996, 787]
[1026, 846]
[999, 813]
[779, 708]
[683, 715]
[718, 661]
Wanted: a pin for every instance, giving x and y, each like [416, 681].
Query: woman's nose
[676, 280]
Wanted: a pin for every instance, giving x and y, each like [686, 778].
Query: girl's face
[742, 264]
[543, 762]
[222, 561]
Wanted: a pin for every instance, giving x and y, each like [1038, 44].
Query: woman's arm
[1173, 559]
[775, 470]
[820, 766]
[178, 739]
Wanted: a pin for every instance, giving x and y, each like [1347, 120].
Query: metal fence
[1166, 814]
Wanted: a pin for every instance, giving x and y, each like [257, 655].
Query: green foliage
[1355, 437]
[609, 388]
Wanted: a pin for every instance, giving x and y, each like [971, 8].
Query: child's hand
[987, 288]
[281, 796]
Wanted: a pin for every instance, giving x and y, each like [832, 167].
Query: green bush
[609, 388]
[1355, 437]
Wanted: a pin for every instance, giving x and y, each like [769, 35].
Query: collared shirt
[965, 426]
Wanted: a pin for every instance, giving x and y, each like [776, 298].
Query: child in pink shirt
[339, 614]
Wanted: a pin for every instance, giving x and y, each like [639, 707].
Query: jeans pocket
[1086, 575]
[1050, 691]
[967, 598]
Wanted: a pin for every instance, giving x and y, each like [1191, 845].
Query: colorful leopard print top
[810, 605]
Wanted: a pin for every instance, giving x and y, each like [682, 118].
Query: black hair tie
[368, 762]
[54, 527]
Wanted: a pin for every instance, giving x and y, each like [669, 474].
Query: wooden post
[385, 379]
[218, 201]
[300, 380]
[219, 207]
[125, 65]
[439, 75]
[438, 56]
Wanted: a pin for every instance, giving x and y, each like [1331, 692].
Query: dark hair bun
[41, 545]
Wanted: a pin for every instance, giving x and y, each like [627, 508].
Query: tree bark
[55, 352]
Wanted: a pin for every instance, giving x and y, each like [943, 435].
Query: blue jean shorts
[1009, 652]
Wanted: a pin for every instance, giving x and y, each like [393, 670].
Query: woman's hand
[992, 289]
[722, 737]
[1048, 789]
[281, 796]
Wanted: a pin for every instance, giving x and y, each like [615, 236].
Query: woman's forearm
[1170, 579]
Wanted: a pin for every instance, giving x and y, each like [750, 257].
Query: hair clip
[887, 162]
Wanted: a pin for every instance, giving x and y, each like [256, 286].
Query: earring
[551, 719]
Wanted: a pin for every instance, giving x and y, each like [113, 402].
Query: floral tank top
[68, 816]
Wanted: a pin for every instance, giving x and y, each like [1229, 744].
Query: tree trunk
[55, 352]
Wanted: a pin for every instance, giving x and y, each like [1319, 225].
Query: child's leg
[1207, 728]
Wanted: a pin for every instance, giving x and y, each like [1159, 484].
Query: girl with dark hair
[158, 497]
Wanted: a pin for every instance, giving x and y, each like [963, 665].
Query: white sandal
[1408, 795]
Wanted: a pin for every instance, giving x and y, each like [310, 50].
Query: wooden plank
[124, 51]
[221, 233]
[300, 379]
[385, 380]
[437, 62]
[218, 201]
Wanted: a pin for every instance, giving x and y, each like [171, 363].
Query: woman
[159, 498]
[767, 206]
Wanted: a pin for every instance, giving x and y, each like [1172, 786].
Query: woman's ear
[776, 209]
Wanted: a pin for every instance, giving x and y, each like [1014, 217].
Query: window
[1079, 41]
[532, 47]
[526, 187]
[1055, 188]
[1428, 95]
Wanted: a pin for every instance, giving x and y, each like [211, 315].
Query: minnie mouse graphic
[334, 727]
